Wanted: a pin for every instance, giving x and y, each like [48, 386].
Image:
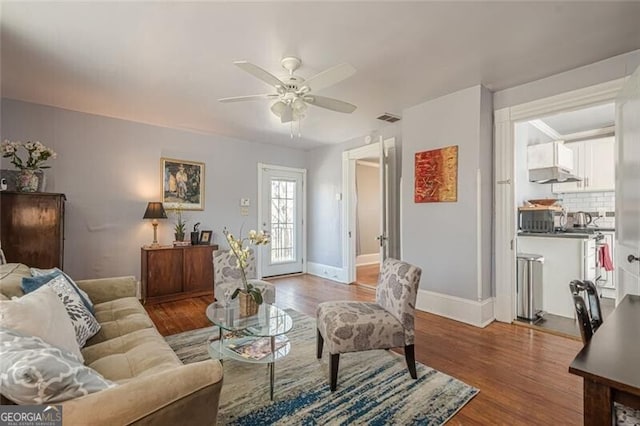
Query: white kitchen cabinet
[565, 259]
[594, 162]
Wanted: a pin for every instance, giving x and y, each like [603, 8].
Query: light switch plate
[338, 196]
[244, 211]
[245, 202]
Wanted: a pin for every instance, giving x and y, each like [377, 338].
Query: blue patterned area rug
[374, 387]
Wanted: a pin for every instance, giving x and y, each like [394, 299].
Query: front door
[282, 217]
[627, 251]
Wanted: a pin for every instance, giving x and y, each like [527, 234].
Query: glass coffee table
[259, 338]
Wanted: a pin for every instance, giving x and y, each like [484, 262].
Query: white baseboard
[479, 314]
[367, 259]
[608, 292]
[326, 271]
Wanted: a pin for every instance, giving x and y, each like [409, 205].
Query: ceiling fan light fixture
[278, 108]
[299, 106]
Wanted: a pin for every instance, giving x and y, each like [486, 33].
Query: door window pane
[282, 221]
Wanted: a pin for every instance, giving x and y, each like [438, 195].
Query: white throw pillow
[41, 314]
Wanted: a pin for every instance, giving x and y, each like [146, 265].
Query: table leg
[598, 405]
[271, 364]
[220, 342]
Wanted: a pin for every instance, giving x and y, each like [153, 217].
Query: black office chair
[590, 288]
[586, 330]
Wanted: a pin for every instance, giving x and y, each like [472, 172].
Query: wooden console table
[173, 273]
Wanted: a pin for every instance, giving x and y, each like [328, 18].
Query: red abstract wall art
[436, 175]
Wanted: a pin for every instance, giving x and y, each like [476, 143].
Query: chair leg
[319, 345]
[335, 360]
[410, 356]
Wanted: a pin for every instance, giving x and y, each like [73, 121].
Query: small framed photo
[205, 237]
[182, 184]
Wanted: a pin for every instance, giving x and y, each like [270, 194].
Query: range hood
[550, 162]
[552, 175]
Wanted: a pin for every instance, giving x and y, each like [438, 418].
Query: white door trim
[261, 167]
[349, 159]
[504, 160]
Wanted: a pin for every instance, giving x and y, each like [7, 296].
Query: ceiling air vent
[389, 117]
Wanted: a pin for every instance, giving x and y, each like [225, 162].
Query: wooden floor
[521, 372]
[368, 274]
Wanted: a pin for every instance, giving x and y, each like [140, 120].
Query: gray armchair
[227, 276]
[362, 326]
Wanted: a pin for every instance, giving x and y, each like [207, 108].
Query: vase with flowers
[37, 154]
[250, 296]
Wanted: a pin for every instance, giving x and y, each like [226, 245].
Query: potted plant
[180, 226]
[250, 296]
[37, 154]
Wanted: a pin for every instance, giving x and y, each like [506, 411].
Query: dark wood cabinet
[172, 273]
[32, 228]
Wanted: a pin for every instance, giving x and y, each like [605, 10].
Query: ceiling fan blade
[329, 77]
[330, 103]
[287, 115]
[249, 98]
[260, 73]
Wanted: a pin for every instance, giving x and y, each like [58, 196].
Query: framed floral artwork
[182, 184]
[436, 175]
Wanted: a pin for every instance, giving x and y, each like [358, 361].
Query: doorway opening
[505, 221]
[368, 217]
[357, 244]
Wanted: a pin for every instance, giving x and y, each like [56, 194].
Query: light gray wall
[324, 243]
[442, 238]
[368, 209]
[109, 169]
[485, 142]
[588, 75]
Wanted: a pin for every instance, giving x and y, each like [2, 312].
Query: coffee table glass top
[269, 321]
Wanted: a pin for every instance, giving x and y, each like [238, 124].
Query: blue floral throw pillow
[84, 323]
[36, 280]
[35, 372]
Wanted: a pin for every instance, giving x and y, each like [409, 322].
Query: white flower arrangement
[37, 154]
[241, 252]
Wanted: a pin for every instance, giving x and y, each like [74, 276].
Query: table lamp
[155, 211]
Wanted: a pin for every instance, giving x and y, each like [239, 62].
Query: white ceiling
[581, 120]
[168, 63]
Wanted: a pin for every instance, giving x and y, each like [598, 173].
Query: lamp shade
[155, 210]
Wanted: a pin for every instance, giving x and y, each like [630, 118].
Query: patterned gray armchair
[227, 275]
[362, 326]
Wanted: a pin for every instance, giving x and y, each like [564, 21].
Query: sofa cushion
[41, 314]
[118, 317]
[136, 354]
[40, 277]
[84, 323]
[35, 372]
[11, 277]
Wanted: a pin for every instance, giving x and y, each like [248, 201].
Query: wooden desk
[610, 364]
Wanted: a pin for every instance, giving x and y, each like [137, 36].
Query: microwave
[541, 219]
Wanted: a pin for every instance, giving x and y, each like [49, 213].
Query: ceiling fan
[293, 92]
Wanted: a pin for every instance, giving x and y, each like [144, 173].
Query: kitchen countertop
[557, 235]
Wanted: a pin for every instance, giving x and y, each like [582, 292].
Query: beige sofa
[154, 387]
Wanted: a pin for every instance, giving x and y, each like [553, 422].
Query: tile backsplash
[593, 202]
